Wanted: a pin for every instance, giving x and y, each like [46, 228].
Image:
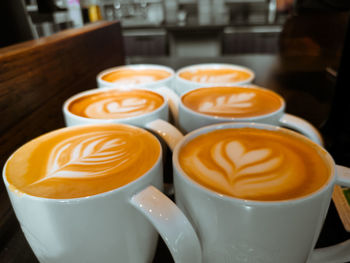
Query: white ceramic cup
[189, 120]
[147, 83]
[182, 85]
[115, 226]
[237, 230]
[156, 121]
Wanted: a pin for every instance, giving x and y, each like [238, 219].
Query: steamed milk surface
[116, 104]
[211, 75]
[82, 161]
[254, 164]
[129, 76]
[232, 102]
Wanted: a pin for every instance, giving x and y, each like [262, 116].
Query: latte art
[82, 161]
[215, 76]
[116, 104]
[254, 165]
[235, 103]
[128, 76]
[232, 102]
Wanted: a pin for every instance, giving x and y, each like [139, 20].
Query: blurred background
[179, 28]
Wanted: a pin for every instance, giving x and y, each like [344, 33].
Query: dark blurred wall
[14, 23]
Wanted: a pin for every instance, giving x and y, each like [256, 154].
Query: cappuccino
[254, 164]
[133, 76]
[82, 161]
[116, 104]
[215, 75]
[233, 102]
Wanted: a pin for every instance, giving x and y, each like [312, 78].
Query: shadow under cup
[221, 173]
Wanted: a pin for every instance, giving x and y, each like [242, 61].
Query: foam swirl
[253, 165]
[87, 156]
[82, 161]
[218, 76]
[130, 76]
[228, 104]
[116, 104]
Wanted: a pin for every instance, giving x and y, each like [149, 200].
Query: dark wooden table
[305, 84]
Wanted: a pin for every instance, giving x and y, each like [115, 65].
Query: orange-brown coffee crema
[233, 102]
[135, 76]
[116, 104]
[82, 161]
[216, 76]
[255, 164]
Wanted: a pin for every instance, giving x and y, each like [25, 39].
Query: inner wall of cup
[328, 160]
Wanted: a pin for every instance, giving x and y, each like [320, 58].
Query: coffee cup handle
[173, 226]
[302, 126]
[169, 133]
[173, 101]
[338, 253]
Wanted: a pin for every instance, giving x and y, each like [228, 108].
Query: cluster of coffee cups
[246, 189]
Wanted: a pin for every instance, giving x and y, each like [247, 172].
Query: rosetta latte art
[253, 165]
[235, 103]
[82, 160]
[215, 79]
[214, 75]
[88, 156]
[130, 76]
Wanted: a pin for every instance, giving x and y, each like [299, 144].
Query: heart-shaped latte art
[240, 171]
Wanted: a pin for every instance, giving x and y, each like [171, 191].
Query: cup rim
[137, 66]
[195, 133]
[215, 65]
[18, 192]
[110, 120]
[241, 119]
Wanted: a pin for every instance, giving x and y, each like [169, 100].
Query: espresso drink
[116, 104]
[255, 164]
[215, 76]
[132, 76]
[82, 161]
[232, 102]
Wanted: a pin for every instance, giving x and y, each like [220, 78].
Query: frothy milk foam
[132, 76]
[215, 75]
[254, 164]
[233, 102]
[116, 104]
[82, 161]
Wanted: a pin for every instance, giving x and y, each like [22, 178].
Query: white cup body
[182, 85]
[235, 230]
[98, 228]
[168, 82]
[141, 120]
